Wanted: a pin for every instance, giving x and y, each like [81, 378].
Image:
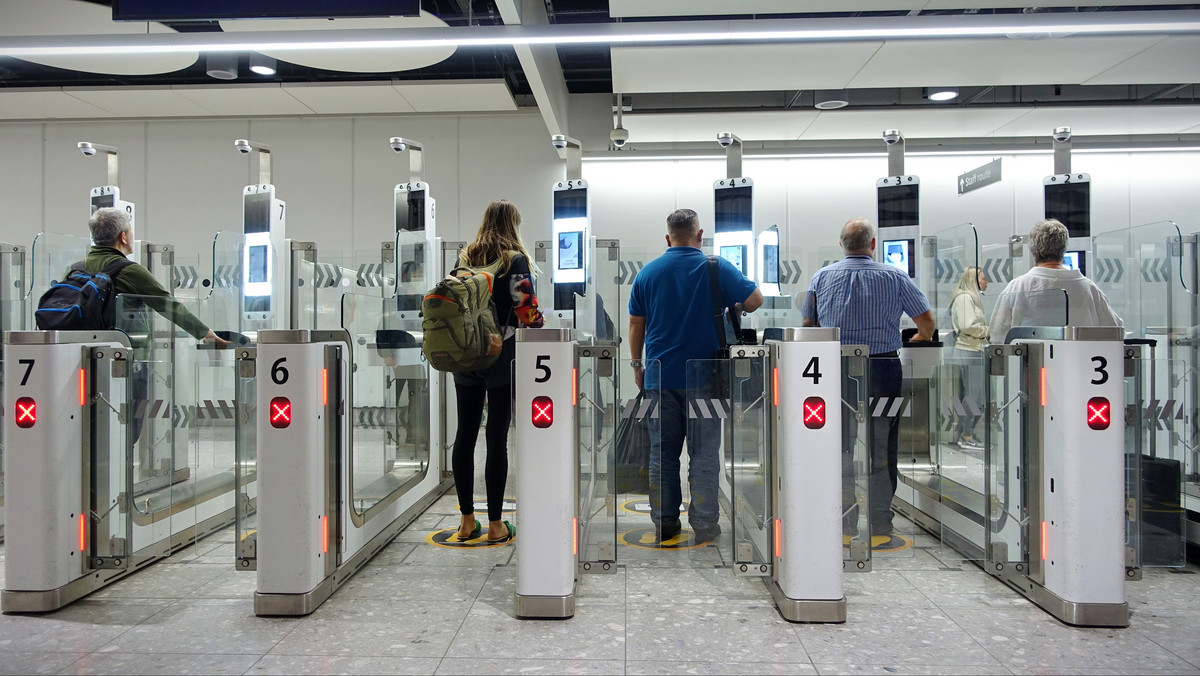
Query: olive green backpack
[458, 318]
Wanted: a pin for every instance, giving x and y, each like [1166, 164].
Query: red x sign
[1099, 413]
[814, 413]
[281, 412]
[26, 412]
[543, 412]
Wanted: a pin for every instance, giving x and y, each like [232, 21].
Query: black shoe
[882, 529]
[707, 534]
[666, 531]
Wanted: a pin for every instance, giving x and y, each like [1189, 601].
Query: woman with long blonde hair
[970, 336]
[516, 305]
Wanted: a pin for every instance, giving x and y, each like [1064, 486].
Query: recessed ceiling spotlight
[831, 99]
[941, 93]
[221, 65]
[262, 65]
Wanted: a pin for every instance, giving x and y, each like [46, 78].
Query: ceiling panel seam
[1130, 58]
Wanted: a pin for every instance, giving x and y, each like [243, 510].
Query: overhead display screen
[898, 205]
[216, 10]
[734, 209]
[410, 210]
[898, 254]
[256, 213]
[570, 203]
[1071, 204]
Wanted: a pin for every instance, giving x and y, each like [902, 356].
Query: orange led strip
[775, 385]
[325, 534]
[324, 387]
[1043, 540]
[574, 387]
[82, 533]
[575, 536]
[82, 387]
[1043, 386]
[779, 538]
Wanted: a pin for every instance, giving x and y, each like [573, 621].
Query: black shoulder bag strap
[718, 311]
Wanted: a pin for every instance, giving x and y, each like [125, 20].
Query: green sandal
[474, 534]
[512, 533]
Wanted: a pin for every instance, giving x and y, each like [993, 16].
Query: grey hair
[107, 224]
[857, 234]
[682, 224]
[1048, 241]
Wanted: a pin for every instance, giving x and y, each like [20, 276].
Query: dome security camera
[725, 139]
[619, 136]
[891, 136]
[242, 145]
[559, 141]
[86, 148]
[398, 144]
[1062, 134]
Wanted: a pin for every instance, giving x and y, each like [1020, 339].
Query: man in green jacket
[112, 238]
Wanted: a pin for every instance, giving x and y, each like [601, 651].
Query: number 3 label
[1101, 366]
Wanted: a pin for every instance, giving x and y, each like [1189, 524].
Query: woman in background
[970, 336]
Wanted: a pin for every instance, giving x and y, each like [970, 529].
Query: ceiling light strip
[635, 156]
[633, 33]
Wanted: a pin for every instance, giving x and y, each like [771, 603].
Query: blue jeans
[667, 434]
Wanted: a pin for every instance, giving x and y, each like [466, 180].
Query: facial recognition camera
[891, 136]
[398, 144]
[725, 139]
[242, 145]
[559, 141]
[87, 149]
[1062, 134]
[619, 136]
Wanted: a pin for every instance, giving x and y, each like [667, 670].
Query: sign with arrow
[980, 177]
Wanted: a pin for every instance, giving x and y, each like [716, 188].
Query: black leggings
[495, 471]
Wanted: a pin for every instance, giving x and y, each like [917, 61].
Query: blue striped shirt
[864, 299]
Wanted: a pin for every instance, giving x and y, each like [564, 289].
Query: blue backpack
[82, 301]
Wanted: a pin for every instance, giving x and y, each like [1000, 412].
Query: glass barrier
[748, 459]
[1036, 308]
[1155, 424]
[897, 446]
[597, 435]
[856, 420]
[245, 462]
[13, 316]
[783, 310]
[1002, 535]
[391, 386]
[638, 432]
[115, 392]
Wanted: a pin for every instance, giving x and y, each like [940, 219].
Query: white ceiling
[248, 100]
[351, 61]
[661, 8]
[24, 18]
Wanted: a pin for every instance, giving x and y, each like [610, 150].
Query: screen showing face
[256, 212]
[898, 205]
[898, 254]
[570, 203]
[1075, 260]
[734, 210]
[258, 264]
[770, 273]
[570, 245]
[735, 255]
[1070, 203]
[410, 210]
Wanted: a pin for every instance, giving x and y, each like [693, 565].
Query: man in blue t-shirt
[671, 315]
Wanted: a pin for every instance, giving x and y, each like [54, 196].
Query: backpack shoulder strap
[718, 311]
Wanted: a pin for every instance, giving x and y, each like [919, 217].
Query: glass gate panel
[245, 464]
[856, 422]
[637, 433]
[109, 387]
[1003, 534]
[52, 256]
[597, 415]
[899, 396]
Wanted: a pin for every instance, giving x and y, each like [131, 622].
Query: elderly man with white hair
[1050, 294]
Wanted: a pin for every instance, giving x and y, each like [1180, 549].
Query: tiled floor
[422, 609]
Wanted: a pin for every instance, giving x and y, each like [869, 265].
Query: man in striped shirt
[865, 299]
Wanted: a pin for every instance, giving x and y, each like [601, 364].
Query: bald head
[857, 235]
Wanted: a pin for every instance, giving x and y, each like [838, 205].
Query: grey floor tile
[1174, 631]
[491, 631]
[647, 668]
[1029, 638]
[141, 663]
[81, 627]
[712, 631]
[285, 665]
[457, 665]
[394, 554]
[220, 554]
[414, 583]
[967, 587]
[683, 584]
[377, 628]
[899, 635]
[232, 584]
[441, 557]
[36, 663]
[501, 586]
[205, 626]
[1047, 671]
[914, 670]
[163, 581]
